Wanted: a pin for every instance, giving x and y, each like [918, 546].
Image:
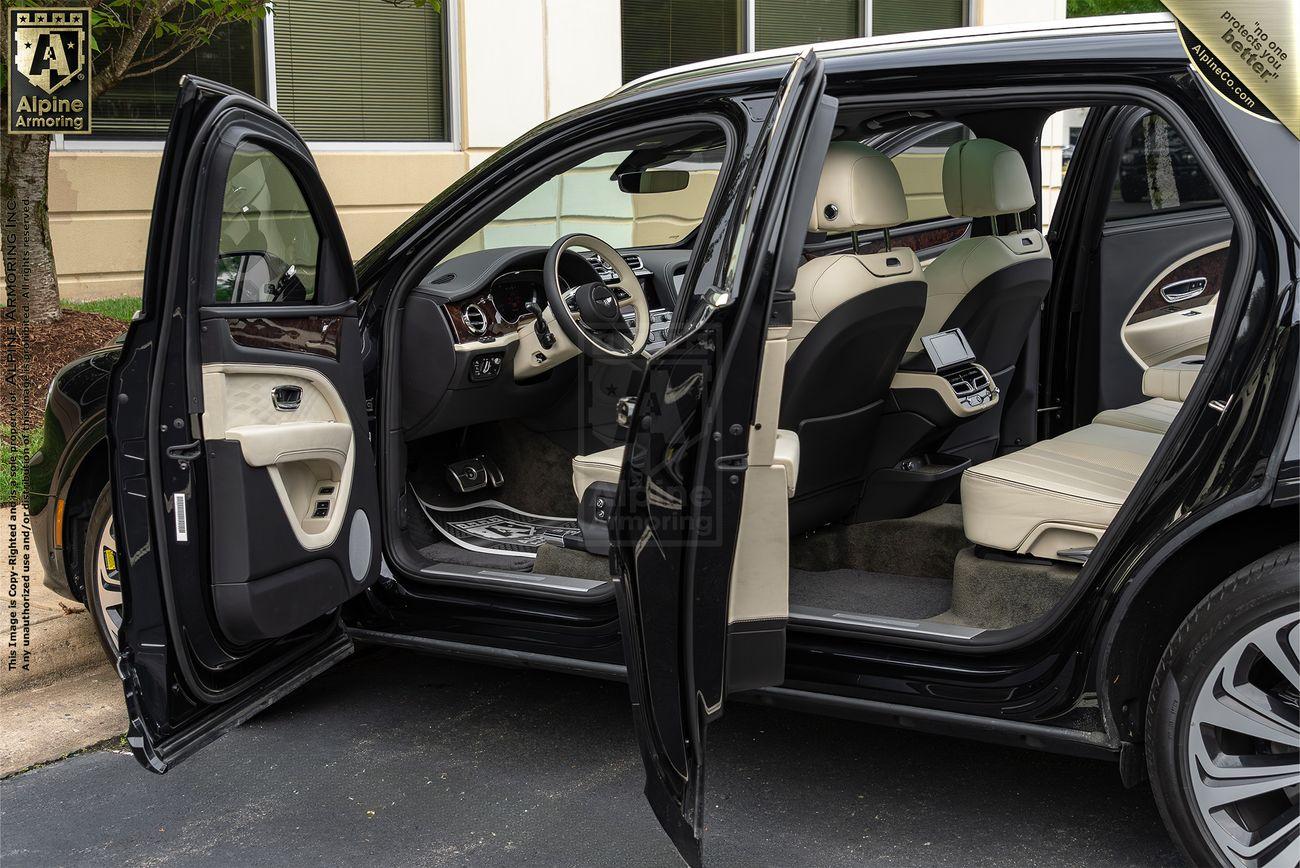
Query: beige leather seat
[1167, 386]
[1154, 416]
[1062, 493]
[1056, 494]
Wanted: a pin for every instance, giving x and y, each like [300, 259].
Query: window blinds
[778, 23]
[658, 34]
[361, 70]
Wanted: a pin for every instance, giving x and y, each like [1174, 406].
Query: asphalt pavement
[394, 758]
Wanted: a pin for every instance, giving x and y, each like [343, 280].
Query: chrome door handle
[1181, 290]
[286, 397]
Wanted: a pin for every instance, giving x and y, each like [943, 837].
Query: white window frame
[451, 43]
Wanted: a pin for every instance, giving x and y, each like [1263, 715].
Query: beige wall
[100, 204]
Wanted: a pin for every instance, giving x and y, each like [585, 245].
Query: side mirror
[248, 276]
[654, 181]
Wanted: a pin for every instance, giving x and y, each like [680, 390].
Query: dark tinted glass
[1158, 173]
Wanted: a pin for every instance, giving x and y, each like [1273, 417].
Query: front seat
[990, 286]
[853, 316]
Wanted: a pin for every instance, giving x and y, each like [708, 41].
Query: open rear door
[700, 526]
[244, 489]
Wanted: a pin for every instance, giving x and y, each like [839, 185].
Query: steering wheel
[591, 314]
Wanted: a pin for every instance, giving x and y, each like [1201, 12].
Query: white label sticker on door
[182, 523]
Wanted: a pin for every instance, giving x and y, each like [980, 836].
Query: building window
[778, 23]
[141, 108]
[907, 16]
[658, 34]
[361, 70]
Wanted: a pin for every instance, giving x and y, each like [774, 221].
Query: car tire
[103, 588]
[1221, 719]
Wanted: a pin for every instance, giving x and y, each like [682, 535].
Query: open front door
[700, 528]
[245, 499]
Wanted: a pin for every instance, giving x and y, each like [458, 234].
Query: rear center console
[932, 392]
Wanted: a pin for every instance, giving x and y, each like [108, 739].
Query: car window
[269, 241]
[921, 169]
[590, 198]
[1158, 173]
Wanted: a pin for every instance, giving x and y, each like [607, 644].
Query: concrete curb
[60, 644]
[61, 637]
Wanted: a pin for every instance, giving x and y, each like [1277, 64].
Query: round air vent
[475, 319]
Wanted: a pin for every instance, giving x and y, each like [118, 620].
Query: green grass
[117, 308]
[14, 452]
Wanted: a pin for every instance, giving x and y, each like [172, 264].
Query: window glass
[1158, 173]
[658, 34]
[778, 23]
[361, 70]
[921, 169]
[269, 242]
[591, 198]
[906, 16]
[141, 107]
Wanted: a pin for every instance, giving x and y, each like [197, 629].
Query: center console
[933, 391]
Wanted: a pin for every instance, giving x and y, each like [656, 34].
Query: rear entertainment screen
[947, 349]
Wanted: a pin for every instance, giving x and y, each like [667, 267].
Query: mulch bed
[51, 346]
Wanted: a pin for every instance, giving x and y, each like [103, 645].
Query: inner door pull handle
[1181, 290]
[286, 397]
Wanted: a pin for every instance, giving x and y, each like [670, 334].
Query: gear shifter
[544, 336]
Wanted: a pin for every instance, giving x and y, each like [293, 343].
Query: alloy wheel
[1243, 750]
[109, 594]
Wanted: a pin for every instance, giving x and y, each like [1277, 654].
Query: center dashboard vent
[606, 272]
[474, 319]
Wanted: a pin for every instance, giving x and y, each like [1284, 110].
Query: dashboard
[487, 295]
[469, 352]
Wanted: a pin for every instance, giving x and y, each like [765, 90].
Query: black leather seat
[853, 317]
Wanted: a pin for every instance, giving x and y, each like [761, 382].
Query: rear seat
[1166, 385]
[1062, 493]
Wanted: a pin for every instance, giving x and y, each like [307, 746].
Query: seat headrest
[859, 189]
[984, 178]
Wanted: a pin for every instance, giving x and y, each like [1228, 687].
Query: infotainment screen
[947, 349]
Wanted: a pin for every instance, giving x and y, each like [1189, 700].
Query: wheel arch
[86, 479]
[1150, 612]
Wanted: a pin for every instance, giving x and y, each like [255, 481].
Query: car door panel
[1173, 317]
[702, 460]
[237, 405]
[1137, 258]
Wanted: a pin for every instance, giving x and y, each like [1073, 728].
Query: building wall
[100, 202]
[508, 81]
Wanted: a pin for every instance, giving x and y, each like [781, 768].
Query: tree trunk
[31, 283]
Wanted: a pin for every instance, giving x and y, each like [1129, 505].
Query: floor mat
[495, 528]
[865, 593]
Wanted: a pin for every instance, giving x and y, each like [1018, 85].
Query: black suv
[755, 380]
